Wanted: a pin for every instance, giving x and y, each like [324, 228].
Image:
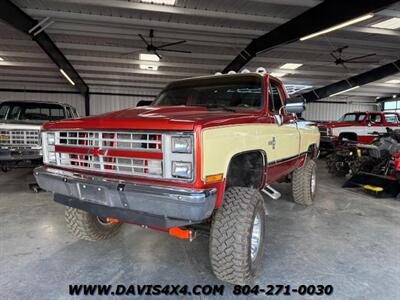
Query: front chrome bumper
[15, 154]
[131, 202]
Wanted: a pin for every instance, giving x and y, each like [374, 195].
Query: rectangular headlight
[51, 139]
[181, 144]
[182, 169]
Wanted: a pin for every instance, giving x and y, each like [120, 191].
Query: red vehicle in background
[362, 127]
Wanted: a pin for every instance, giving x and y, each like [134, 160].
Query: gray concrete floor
[346, 239]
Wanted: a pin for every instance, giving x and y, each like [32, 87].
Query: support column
[87, 104]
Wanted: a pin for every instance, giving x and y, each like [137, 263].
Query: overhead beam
[176, 10]
[207, 64]
[175, 26]
[146, 23]
[325, 15]
[300, 3]
[17, 18]
[358, 80]
[202, 40]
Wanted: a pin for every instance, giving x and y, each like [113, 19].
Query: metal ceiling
[95, 36]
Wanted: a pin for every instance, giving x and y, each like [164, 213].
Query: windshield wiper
[218, 106]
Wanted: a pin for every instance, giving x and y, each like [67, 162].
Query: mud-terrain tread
[229, 238]
[85, 226]
[301, 188]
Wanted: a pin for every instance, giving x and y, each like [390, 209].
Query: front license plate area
[18, 153]
[92, 193]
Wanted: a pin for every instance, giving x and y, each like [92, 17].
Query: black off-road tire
[86, 226]
[231, 232]
[301, 183]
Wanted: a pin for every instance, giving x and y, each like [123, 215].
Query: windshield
[353, 117]
[31, 111]
[240, 92]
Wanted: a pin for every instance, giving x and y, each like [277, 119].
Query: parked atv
[376, 166]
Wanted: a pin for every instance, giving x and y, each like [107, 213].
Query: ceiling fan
[151, 48]
[337, 54]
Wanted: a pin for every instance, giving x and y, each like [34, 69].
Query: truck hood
[335, 124]
[20, 125]
[155, 118]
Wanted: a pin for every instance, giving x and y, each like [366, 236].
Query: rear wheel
[237, 236]
[304, 183]
[86, 226]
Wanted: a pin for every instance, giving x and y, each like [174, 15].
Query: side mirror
[295, 106]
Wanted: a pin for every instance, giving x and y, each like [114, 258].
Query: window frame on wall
[395, 108]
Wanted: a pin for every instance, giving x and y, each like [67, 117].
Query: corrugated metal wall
[106, 103]
[73, 99]
[333, 111]
[100, 104]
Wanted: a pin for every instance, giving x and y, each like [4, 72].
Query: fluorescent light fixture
[290, 66]
[67, 77]
[278, 74]
[148, 57]
[1, 59]
[345, 91]
[339, 26]
[149, 67]
[393, 23]
[393, 81]
[165, 2]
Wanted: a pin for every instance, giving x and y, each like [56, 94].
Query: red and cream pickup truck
[357, 126]
[197, 158]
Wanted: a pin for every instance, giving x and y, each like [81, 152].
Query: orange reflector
[214, 178]
[180, 233]
[112, 220]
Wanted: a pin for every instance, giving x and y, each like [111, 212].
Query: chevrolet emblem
[4, 138]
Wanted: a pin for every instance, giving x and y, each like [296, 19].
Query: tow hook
[185, 234]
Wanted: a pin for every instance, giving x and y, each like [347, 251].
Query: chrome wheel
[313, 181]
[255, 237]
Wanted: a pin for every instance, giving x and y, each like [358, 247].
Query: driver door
[283, 145]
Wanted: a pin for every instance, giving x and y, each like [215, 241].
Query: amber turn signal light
[214, 178]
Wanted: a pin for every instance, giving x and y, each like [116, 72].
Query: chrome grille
[19, 138]
[104, 143]
[120, 165]
[111, 140]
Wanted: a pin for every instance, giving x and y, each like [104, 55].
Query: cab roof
[215, 78]
[29, 102]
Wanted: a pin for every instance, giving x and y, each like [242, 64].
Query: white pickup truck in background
[20, 124]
